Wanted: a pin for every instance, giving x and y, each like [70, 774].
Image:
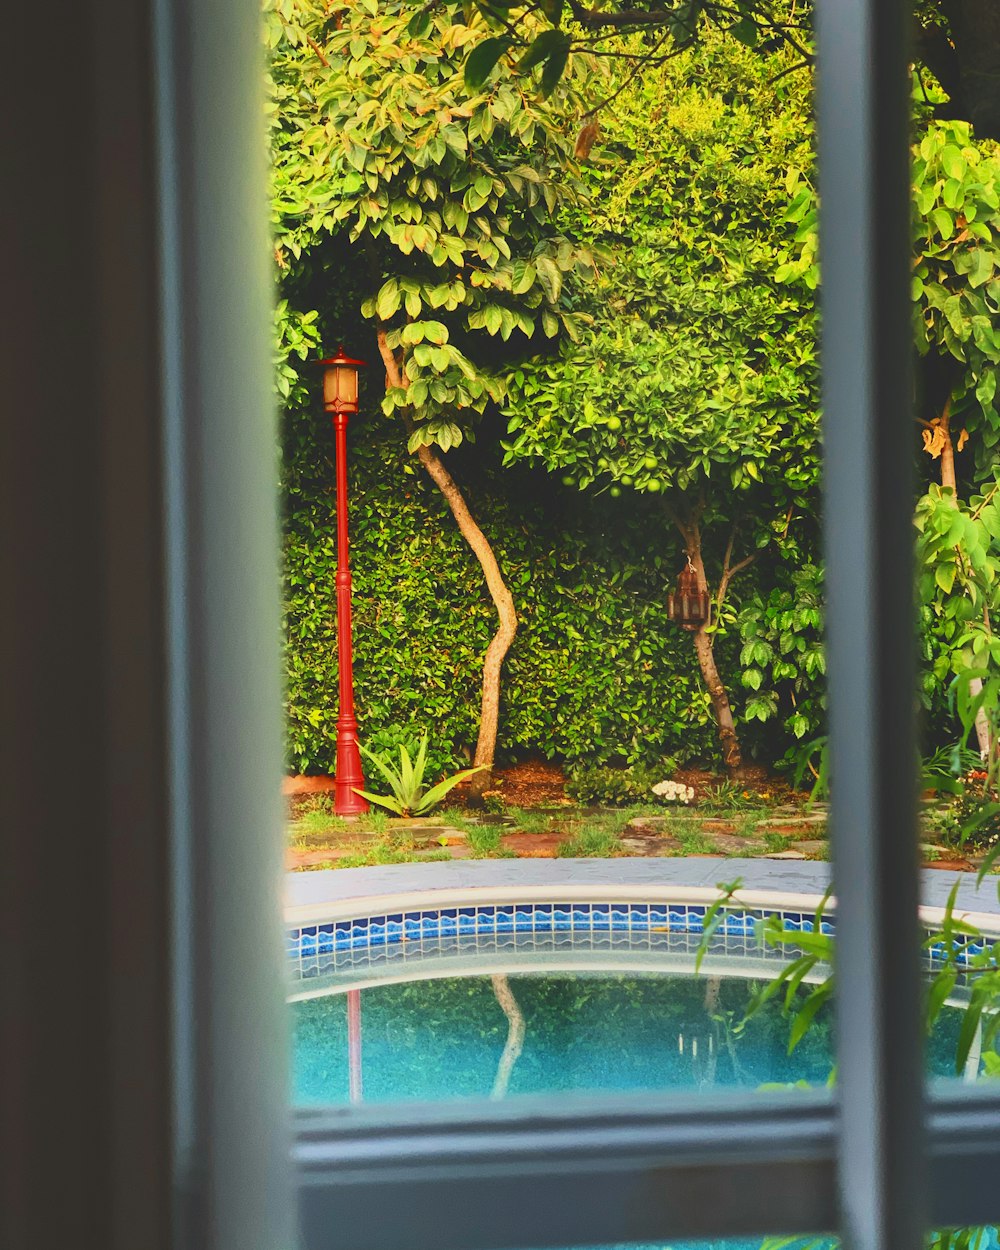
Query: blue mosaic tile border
[367, 932]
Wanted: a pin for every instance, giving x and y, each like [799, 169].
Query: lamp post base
[349, 778]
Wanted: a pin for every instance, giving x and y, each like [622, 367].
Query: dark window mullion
[863, 104]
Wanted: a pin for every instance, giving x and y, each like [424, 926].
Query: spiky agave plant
[409, 798]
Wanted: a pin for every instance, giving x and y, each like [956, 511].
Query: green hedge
[597, 672]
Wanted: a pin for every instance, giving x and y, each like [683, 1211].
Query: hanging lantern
[688, 605]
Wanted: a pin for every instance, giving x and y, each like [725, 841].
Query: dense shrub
[598, 673]
[614, 787]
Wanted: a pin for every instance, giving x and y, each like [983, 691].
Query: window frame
[160, 1114]
[562, 1171]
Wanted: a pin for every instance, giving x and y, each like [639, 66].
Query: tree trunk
[503, 600]
[948, 480]
[732, 756]
[515, 1034]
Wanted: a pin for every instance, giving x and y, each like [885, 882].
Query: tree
[448, 199]
[697, 382]
[956, 317]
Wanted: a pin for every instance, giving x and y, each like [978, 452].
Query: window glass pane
[956, 493]
[591, 404]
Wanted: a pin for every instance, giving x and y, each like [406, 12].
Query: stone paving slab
[733, 845]
[651, 846]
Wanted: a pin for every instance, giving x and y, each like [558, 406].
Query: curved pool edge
[311, 897]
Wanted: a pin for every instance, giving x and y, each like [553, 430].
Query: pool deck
[311, 890]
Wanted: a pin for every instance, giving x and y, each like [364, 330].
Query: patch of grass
[317, 822]
[693, 841]
[456, 819]
[376, 822]
[774, 842]
[593, 841]
[677, 825]
[484, 840]
[530, 820]
[730, 796]
[314, 803]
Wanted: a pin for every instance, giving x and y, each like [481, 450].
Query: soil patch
[532, 783]
[532, 845]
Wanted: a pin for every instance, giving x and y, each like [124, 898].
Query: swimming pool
[403, 980]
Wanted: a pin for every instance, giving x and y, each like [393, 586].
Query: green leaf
[943, 222]
[953, 162]
[405, 771]
[387, 301]
[523, 277]
[419, 24]
[745, 30]
[481, 60]
[550, 277]
[944, 575]
[436, 793]
[381, 800]
[553, 68]
[943, 984]
[982, 267]
[953, 193]
[806, 1014]
[387, 771]
[970, 1025]
[542, 47]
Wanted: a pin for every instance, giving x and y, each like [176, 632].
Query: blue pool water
[532, 1032]
[452, 1038]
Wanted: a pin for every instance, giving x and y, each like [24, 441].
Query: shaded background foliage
[597, 671]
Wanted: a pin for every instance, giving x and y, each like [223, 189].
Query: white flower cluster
[674, 792]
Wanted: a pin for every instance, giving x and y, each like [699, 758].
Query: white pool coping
[793, 885]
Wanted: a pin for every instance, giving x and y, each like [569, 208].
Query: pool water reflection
[507, 1034]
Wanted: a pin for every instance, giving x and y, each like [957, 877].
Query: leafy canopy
[447, 195]
[699, 373]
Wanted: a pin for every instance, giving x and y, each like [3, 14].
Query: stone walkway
[785, 832]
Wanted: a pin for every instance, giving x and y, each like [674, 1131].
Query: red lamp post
[340, 399]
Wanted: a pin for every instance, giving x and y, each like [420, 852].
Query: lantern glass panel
[340, 388]
[347, 386]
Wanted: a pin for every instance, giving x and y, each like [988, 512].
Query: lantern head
[340, 382]
[689, 606]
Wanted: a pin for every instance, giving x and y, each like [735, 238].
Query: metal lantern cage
[689, 606]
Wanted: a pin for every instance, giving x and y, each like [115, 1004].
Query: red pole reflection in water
[354, 1043]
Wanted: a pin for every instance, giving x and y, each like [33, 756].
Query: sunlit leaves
[448, 197]
[956, 259]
